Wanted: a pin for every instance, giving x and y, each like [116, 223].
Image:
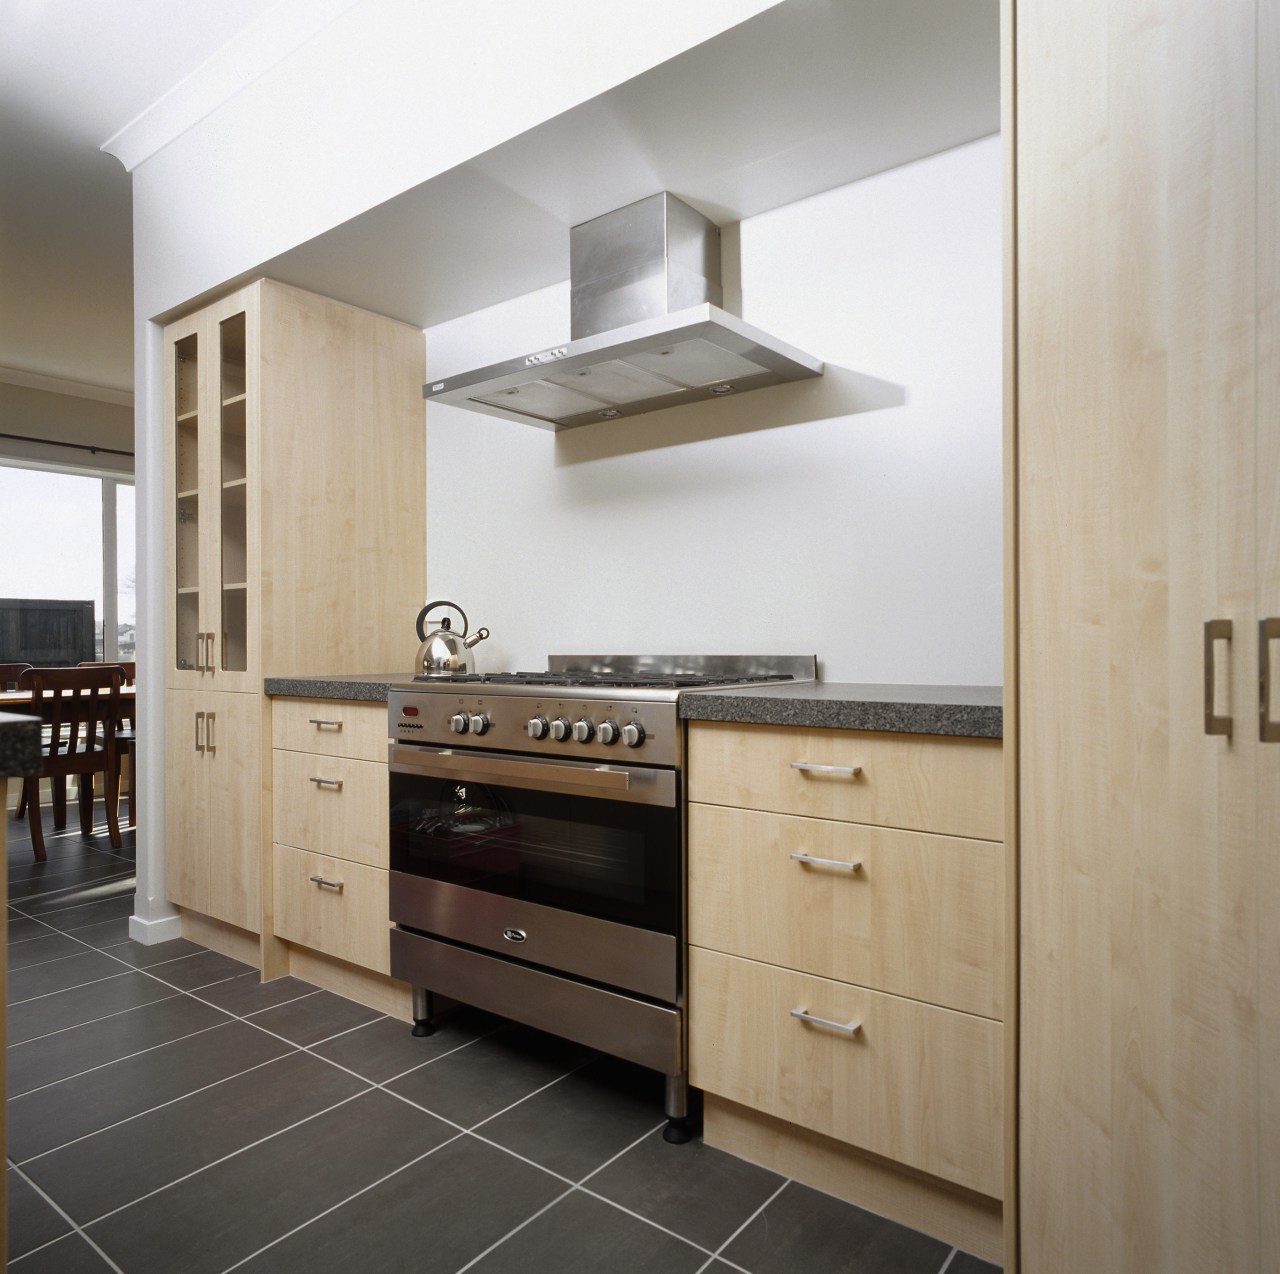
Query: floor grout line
[951, 1256]
[89, 1021]
[718, 1254]
[45, 995]
[527, 1221]
[68, 1219]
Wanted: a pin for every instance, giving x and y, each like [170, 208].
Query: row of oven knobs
[584, 730]
[477, 723]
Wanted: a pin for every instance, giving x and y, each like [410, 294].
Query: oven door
[568, 865]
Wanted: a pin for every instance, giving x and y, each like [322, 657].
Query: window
[68, 536]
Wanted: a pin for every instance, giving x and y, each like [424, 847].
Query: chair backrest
[81, 709]
[128, 667]
[9, 674]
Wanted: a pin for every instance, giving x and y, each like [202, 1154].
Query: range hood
[646, 330]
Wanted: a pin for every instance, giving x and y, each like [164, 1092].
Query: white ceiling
[807, 96]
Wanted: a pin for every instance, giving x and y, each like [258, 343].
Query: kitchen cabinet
[847, 964]
[329, 827]
[1146, 487]
[295, 543]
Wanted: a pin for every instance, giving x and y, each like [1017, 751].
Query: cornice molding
[248, 55]
[73, 388]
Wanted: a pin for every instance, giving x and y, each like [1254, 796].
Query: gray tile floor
[170, 1113]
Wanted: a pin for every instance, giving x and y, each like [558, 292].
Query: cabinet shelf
[232, 399]
[235, 484]
[188, 495]
[187, 415]
[237, 586]
[188, 590]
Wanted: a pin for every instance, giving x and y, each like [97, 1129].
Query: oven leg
[677, 1130]
[423, 1011]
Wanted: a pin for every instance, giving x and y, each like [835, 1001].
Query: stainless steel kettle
[444, 651]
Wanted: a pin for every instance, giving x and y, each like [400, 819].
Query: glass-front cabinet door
[211, 419]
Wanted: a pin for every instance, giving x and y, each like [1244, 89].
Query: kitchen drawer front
[916, 1084]
[345, 918]
[921, 782]
[331, 805]
[922, 916]
[330, 727]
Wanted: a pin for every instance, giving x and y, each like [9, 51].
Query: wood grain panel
[922, 916]
[917, 1084]
[186, 864]
[349, 923]
[922, 782]
[230, 817]
[330, 727]
[349, 821]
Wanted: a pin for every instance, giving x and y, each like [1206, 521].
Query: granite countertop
[19, 745]
[370, 687]
[975, 712]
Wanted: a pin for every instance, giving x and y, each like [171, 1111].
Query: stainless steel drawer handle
[335, 784]
[328, 884]
[1268, 631]
[321, 724]
[848, 771]
[845, 1028]
[825, 862]
[1214, 630]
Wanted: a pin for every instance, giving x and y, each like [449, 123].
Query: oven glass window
[611, 859]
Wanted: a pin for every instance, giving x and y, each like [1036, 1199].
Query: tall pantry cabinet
[1148, 566]
[295, 498]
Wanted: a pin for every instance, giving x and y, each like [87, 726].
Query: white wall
[798, 519]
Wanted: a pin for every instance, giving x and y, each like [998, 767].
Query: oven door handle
[574, 779]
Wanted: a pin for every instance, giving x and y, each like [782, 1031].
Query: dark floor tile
[105, 933]
[41, 950]
[583, 1120]
[55, 884]
[219, 1216]
[473, 1194]
[72, 1255]
[142, 956]
[162, 1145]
[53, 1116]
[315, 1018]
[805, 1229]
[386, 1048]
[24, 866]
[695, 1190]
[192, 972]
[91, 905]
[83, 1004]
[490, 1074]
[54, 1057]
[32, 1221]
[582, 1235]
[62, 974]
[24, 929]
[249, 994]
[967, 1263]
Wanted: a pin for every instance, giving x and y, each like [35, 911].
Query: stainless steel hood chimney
[646, 328]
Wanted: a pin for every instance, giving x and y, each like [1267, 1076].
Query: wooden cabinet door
[186, 805]
[232, 805]
[1141, 1078]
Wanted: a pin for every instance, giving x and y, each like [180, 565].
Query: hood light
[722, 389]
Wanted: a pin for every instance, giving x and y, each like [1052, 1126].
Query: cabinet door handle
[1268, 631]
[1214, 630]
[209, 719]
[849, 771]
[845, 1028]
[335, 784]
[321, 724]
[199, 652]
[326, 884]
[199, 720]
[825, 862]
[212, 658]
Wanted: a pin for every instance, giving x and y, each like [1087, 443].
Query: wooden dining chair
[9, 674]
[127, 732]
[80, 708]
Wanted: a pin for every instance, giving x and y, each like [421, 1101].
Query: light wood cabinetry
[330, 826]
[1147, 488]
[295, 489]
[846, 964]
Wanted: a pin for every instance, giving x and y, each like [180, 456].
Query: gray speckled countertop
[365, 686]
[970, 711]
[19, 745]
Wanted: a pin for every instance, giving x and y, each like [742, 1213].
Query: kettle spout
[479, 635]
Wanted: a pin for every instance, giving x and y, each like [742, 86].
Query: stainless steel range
[537, 847]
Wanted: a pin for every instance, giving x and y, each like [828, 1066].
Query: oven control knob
[633, 734]
[560, 729]
[537, 727]
[583, 730]
[459, 723]
[607, 732]
[479, 722]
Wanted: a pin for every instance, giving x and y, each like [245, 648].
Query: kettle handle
[422, 615]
